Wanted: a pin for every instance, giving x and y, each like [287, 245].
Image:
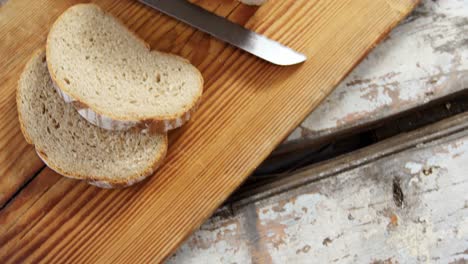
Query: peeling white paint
[353, 218]
[413, 238]
[462, 231]
[220, 245]
[422, 60]
[295, 135]
[414, 168]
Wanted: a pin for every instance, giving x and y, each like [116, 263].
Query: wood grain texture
[248, 107]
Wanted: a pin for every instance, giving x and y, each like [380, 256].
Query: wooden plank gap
[456, 126]
[26, 183]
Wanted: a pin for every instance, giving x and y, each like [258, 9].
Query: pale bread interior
[97, 61]
[73, 146]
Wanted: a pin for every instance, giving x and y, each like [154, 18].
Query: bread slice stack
[97, 102]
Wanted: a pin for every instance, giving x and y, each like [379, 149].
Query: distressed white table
[423, 59]
[404, 200]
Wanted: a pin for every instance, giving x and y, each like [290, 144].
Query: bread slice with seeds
[116, 81]
[72, 146]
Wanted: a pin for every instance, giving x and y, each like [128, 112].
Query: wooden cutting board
[248, 107]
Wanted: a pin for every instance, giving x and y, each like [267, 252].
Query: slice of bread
[114, 77]
[73, 147]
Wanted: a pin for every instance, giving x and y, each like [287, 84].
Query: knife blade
[228, 31]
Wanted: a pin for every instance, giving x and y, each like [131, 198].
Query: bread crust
[108, 182]
[99, 181]
[109, 121]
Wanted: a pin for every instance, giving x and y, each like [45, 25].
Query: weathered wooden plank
[249, 106]
[423, 59]
[286, 181]
[409, 207]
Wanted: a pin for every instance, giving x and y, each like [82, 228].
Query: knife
[228, 31]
